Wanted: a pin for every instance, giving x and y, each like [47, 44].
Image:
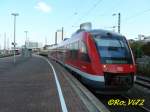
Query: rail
[143, 81]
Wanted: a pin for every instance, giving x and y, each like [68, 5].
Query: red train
[103, 59]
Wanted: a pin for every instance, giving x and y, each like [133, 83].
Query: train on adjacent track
[102, 59]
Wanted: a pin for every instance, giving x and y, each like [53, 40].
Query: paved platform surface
[30, 86]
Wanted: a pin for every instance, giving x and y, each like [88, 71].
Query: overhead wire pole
[0, 44]
[8, 44]
[14, 14]
[56, 38]
[62, 33]
[5, 42]
[119, 21]
[26, 32]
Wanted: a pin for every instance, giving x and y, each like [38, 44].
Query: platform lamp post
[14, 43]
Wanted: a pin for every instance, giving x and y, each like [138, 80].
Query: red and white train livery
[103, 59]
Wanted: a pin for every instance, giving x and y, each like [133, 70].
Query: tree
[137, 49]
[146, 49]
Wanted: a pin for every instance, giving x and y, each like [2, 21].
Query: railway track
[142, 81]
[145, 109]
[122, 108]
[114, 107]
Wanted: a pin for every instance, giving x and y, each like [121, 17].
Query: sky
[42, 18]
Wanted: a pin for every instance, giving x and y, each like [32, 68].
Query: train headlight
[104, 66]
[131, 66]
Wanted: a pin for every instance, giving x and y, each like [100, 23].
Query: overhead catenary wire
[96, 3]
[88, 11]
[136, 15]
[94, 6]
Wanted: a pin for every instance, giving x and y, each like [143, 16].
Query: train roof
[93, 32]
[104, 32]
[99, 31]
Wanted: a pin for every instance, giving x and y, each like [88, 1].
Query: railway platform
[38, 84]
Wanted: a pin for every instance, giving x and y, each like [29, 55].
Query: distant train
[102, 59]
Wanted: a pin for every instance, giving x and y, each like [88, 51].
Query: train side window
[69, 51]
[72, 51]
[75, 51]
[83, 52]
[76, 45]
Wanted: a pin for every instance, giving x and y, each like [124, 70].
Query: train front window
[113, 50]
